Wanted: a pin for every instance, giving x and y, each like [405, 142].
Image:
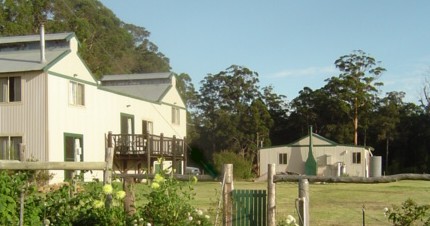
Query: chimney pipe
[42, 44]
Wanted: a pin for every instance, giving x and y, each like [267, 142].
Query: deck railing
[142, 143]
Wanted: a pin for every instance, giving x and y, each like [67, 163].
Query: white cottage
[332, 159]
[51, 103]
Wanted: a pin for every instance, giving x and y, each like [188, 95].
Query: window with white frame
[10, 89]
[175, 116]
[282, 158]
[76, 93]
[9, 147]
[356, 157]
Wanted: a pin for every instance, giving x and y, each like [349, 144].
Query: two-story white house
[51, 103]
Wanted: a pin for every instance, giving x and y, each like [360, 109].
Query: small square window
[356, 157]
[175, 116]
[10, 89]
[9, 148]
[282, 160]
[76, 93]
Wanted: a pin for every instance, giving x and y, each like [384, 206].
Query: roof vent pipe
[42, 44]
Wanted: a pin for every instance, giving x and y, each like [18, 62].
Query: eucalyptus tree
[230, 111]
[278, 107]
[325, 114]
[356, 86]
[387, 118]
[425, 99]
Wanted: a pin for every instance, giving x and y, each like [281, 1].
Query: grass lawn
[330, 204]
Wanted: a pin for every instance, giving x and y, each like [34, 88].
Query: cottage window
[9, 147]
[282, 160]
[175, 115]
[76, 93]
[10, 89]
[356, 157]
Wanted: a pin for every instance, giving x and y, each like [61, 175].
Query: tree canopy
[108, 45]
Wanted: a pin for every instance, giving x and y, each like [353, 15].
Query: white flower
[158, 178]
[385, 211]
[107, 189]
[207, 216]
[120, 195]
[148, 224]
[291, 219]
[190, 218]
[199, 212]
[155, 185]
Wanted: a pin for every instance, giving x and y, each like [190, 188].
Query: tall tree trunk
[356, 122]
[386, 155]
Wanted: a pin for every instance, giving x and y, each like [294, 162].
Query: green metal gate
[249, 207]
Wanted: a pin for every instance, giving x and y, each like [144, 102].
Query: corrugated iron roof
[150, 92]
[33, 38]
[28, 60]
[144, 76]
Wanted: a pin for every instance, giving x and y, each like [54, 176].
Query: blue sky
[291, 44]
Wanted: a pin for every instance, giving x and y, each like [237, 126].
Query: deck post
[184, 153]
[227, 199]
[174, 167]
[150, 148]
[271, 195]
[161, 144]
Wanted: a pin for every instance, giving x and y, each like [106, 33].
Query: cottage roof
[147, 86]
[22, 53]
[36, 38]
[17, 61]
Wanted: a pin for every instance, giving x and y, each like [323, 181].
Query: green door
[73, 151]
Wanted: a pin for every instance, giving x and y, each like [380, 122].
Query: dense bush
[168, 203]
[242, 167]
[408, 214]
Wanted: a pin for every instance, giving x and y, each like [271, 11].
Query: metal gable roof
[150, 92]
[143, 76]
[17, 58]
[34, 38]
[16, 61]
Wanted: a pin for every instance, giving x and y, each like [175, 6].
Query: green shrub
[242, 168]
[409, 213]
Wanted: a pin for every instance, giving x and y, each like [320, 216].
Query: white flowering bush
[169, 203]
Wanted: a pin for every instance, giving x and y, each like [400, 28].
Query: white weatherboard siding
[101, 113]
[28, 117]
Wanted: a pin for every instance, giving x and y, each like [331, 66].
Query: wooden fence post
[271, 195]
[109, 167]
[304, 202]
[107, 179]
[128, 186]
[227, 200]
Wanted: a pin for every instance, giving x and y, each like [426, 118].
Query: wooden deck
[139, 151]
